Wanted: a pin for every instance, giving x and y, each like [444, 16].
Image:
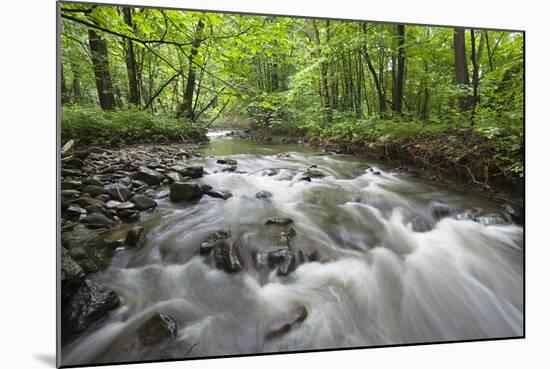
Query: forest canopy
[143, 74]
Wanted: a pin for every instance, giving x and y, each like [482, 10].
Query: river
[385, 259]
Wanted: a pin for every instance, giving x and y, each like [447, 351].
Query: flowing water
[398, 260]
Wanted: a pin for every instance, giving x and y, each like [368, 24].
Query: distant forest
[332, 81]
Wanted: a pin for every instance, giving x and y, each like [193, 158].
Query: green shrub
[93, 126]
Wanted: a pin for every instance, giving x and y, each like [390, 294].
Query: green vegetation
[92, 126]
[446, 98]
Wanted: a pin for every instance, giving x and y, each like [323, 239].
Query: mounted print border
[235, 184]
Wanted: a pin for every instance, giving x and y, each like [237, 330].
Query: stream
[380, 258]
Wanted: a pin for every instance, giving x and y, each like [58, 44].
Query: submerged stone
[157, 329]
[279, 221]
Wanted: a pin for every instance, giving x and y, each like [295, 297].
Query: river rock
[93, 190]
[71, 271]
[229, 168]
[94, 181]
[440, 211]
[74, 163]
[85, 259]
[470, 214]
[219, 194]
[98, 250]
[195, 171]
[70, 193]
[96, 208]
[112, 204]
[227, 161]
[157, 329]
[205, 187]
[90, 303]
[127, 205]
[118, 192]
[70, 184]
[263, 195]
[285, 323]
[85, 201]
[208, 244]
[313, 173]
[174, 176]
[75, 211]
[270, 172]
[185, 191]
[129, 215]
[143, 202]
[515, 212]
[65, 172]
[149, 176]
[279, 221]
[135, 237]
[284, 259]
[227, 256]
[103, 198]
[98, 220]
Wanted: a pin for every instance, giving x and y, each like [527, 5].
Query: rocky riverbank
[102, 189]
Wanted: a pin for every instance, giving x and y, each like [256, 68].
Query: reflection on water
[396, 260]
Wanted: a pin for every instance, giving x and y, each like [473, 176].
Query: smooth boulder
[118, 192]
[89, 304]
[143, 202]
[149, 176]
[185, 191]
[135, 237]
[157, 329]
[98, 220]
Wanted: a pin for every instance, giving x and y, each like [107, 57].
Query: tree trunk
[400, 78]
[380, 93]
[475, 72]
[100, 61]
[131, 65]
[325, 94]
[186, 109]
[64, 91]
[76, 95]
[461, 66]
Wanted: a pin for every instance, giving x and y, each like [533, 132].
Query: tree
[400, 78]
[461, 67]
[377, 84]
[134, 96]
[186, 108]
[100, 61]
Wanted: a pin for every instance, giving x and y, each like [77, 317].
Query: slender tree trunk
[476, 57]
[76, 94]
[186, 109]
[400, 78]
[380, 93]
[426, 100]
[489, 56]
[65, 97]
[131, 65]
[461, 67]
[325, 94]
[100, 61]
